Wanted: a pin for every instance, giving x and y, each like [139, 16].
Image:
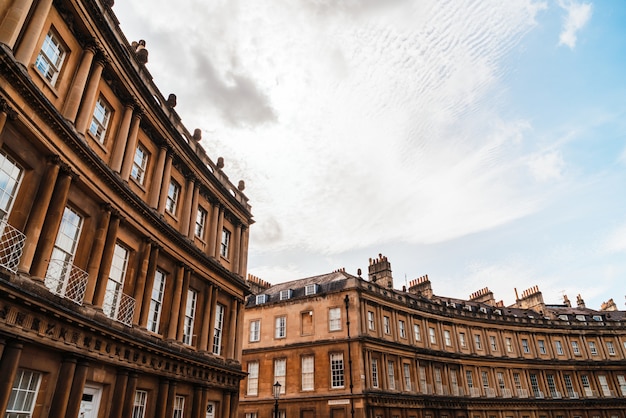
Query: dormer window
[310, 289]
[286, 294]
[260, 299]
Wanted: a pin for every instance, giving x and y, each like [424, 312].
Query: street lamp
[276, 396]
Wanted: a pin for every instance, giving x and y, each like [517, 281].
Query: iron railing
[119, 306]
[65, 279]
[11, 246]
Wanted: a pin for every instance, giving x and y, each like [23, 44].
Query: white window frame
[139, 404]
[24, 393]
[173, 195]
[100, 120]
[525, 346]
[542, 346]
[255, 330]
[179, 407]
[558, 345]
[140, 164]
[417, 332]
[462, 339]
[493, 343]
[217, 331]
[156, 301]
[432, 336]
[253, 379]
[11, 175]
[575, 348]
[386, 325]
[310, 289]
[406, 368]
[402, 328]
[509, 344]
[190, 316]
[391, 375]
[334, 319]
[375, 373]
[280, 373]
[477, 342]
[447, 338]
[610, 348]
[64, 250]
[308, 372]
[115, 283]
[225, 243]
[337, 380]
[371, 323]
[51, 57]
[592, 348]
[280, 329]
[201, 216]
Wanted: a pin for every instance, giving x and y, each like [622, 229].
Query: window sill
[52, 88]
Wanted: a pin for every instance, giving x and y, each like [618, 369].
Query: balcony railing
[505, 393]
[555, 394]
[119, 306]
[538, 394]
[522, 393]
[11, 246]
[589, 393]
[474, 392]
[457, 391]
[65, 279]
[573, 394]
[623, 389]
[490, 392]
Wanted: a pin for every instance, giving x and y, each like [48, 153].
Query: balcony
[506, 393]
[66, 280]
[589, 393]
[522, 393]
[457, 391]
[623, 389]
[555, 394]
[474, 392]
[119, 306]
[490, 392]
[11, 246]
[538, 394]
[572, 394]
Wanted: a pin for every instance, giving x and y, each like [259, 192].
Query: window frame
[280, 373]
[140, 401]
[255, 331]
[200, 226]
[218, 329]
[190, 316]
[156, 305]
[334, 319]
[280, 327]
[252, 386]
[337, 371]
[307, 363]
[44, 62]
[173, 196]
[30, 393]
[225, 243]
[138, 170]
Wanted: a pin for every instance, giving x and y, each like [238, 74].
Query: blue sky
[481, 143]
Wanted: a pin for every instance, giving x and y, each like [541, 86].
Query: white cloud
[546, 166]
[616, 240]
[578, 14]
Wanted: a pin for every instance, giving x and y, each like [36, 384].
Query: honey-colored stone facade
[413, 354]
[123, 246]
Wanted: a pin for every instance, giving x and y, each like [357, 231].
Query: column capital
[53, 159]
[6, 108]
[66, 169]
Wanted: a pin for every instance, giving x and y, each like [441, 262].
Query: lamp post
[276, 396]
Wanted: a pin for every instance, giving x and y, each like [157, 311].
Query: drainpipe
[347, 302]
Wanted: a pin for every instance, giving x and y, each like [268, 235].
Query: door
[90, 402]
[210, 410]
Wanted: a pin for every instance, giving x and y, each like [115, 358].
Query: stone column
[61, 396]
[26, 48]
[85, 112]
[218, 233]
[95, 258]
[129, 156]
[77, 88]
[161, 404]
[206, 319]
[234, 257]
[165, 183]
[171, 395]
[234, 405]
[239, 337]
[232, 329]
[52, 223]
[213, 230]
[121, 381]
[196, 409]
[157, 178]
[185, 214]
[193, 213]
[38, 213]
[226, 405]
[140, 283]
[6, 112]
[107, 259]
[120, 140]
[12, 23]
[8, 370]
[243, 253]
[129, 398]
[147, 290]
[176, 299]
[183, 308]
[212, 317]
[76, 393]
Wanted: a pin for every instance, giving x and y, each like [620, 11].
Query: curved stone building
[342, 346]
[123, 246]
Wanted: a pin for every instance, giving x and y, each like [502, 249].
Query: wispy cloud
[577, 16]
[547, 166]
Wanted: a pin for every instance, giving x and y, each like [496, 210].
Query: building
[124, 246]
[343, 346]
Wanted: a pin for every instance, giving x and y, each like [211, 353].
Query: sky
[482, 143]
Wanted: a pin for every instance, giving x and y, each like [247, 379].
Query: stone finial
[241, 186]
[171, 101]
[197, 134]
[220, 162]
[141, 51]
